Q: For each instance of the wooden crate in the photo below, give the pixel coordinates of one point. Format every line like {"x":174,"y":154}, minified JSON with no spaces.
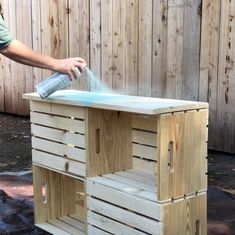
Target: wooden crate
{"x":143,"y":162}
{"x":58,"y":202}
{"x":79,"y":141}
{"x":126,"y":203}
{"x":173,"y":148}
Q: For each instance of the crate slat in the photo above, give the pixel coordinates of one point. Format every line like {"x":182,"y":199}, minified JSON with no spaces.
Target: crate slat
{"x":124,"y":216}
{"x":58,"y":163}
{"x":58,"y":135}
{"x":149,"y":167}
{"x":144,"y":138}
{"x":66,"y":227}
{"x":63,"y":150}
{"x":57,"y":109}
{"x":117,"y":197}
{"x":131,"y":182}
{"x":111,"y":225}
{"x":95,"y":231}
{"x":58,"y":122}
{"x":146,"y":152}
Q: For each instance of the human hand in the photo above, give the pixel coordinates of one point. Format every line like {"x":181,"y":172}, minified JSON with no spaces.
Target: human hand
{"x":69,"y":65}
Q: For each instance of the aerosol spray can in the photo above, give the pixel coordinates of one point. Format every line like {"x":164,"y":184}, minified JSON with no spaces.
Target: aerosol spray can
{"x":53,"y":83}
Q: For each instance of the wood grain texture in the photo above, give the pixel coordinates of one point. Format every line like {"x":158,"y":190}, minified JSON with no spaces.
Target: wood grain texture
{"x":191,"y":217}
{"x":108,"y":141}
{"x":58,"y":212}
{"x":185,"y":172}
{"x":111,"y":101}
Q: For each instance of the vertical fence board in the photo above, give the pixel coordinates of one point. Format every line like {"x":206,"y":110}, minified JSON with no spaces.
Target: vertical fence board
{"x":131,"y":47}
{"x":45,"y":32}
{"x":36,"y":37}
{"x":175,"y":49}
{"x":95,"y":39}
{"x":25,"y":75}
{"x":209,"y":63}
{"x":79,"y":36}
{"x":107,"y":42}
{"x":145,"y":47}
{"x":159,"y":60}
{"x":191,"y":42}
{"x":118,"y":46}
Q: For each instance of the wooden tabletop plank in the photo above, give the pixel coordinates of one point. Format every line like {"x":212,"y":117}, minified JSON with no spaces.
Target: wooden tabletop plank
{"x":133,"y":104}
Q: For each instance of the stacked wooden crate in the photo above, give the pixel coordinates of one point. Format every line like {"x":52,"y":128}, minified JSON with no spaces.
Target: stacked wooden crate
{"x":119,"y":165}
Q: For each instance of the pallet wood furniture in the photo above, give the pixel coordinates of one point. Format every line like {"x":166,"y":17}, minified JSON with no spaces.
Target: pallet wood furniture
{"x":116,"y":164}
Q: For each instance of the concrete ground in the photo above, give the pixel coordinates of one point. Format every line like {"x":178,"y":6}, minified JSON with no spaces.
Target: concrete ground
{"x":17,"y":190}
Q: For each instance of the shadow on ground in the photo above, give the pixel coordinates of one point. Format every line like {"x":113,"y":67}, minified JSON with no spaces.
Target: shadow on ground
{"x":16,"y":191}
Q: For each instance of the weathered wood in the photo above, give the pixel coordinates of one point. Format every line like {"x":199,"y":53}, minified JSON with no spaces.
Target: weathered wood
{"x":159,"y":50}
{"x":131,"y":47}
{"x":191,"y":49}
{"x":78,"y":36}
{"x":145,"y":47}
{"x":95,"y":40}
{"x":175,"y":36}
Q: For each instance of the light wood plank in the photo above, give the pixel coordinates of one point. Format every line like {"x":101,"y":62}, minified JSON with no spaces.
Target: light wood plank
{"x":107,"y":42}
{"x":145,"y":47}
{"x":66,"y":227}
{"x":191,"y":49}
{"x":111,"y":225}
{"x":57,"y":109}
{"x":124,"y":216}
{"x":52,"y":229}
{"x":106,"y":132}
{"x":132,"y":190}
{"x":191,"y":211}
{"x":138,"y":177}
{"x":58,"y":122}
{"x":59,"y":149}
{"x":95,"y":231}
{"x":58,"y":135}
{"x":95,"y":40}
{"x":146,"y":152}
{"x":134,"y":104}
{"x":144,"y":138}
{"x":36,"y":38}
{"x":146,"y":166}
{"x":131,"y":182}
{"x":118,"y":45}
{"x":175,"y":27}
{"x":159,"y":48}
{"x":73,"y":222}
{"x":131,"y":57}
{"x":182,"y":169}
{"x":78,"y":12}
{"x":144,"y":123}
{"x":58,"y":163}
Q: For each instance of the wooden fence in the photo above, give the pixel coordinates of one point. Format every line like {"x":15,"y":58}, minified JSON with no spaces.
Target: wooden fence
{"x":137,"y":47}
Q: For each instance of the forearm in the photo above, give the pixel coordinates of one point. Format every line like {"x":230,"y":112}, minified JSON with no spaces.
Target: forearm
{"x":19,"y":52}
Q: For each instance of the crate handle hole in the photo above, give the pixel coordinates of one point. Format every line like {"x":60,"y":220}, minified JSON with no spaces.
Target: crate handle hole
{"x":66,"y":166}
{"x":44,"y":193}
{"x":198,"y":227}
{"x":97,"y":140}
{"x":170,"y":156}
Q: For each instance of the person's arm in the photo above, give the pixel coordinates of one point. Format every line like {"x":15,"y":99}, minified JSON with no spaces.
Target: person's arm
{"x":19,"y":52}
